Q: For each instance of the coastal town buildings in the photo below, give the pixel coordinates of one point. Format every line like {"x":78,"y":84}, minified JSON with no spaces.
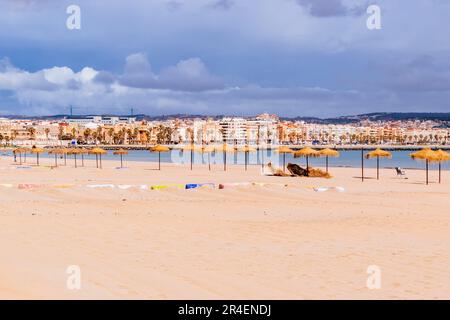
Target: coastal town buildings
{"x":259,"y":130}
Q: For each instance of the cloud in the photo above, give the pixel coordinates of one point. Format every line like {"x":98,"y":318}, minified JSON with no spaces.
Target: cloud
{"x":330,"y":8}
{"x":173,"y":5}
{"x":421,"y":74}
{"x":188,"y":87}
{"x":187,"y":75}
{"x":222,"y":4}
{"x":138,"y":72}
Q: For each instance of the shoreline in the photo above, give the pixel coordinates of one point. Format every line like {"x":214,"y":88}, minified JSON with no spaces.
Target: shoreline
{"x":389,"y":147}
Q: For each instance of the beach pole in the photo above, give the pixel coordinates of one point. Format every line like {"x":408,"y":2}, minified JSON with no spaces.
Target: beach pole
{"x":224,"y":160}
{"x":37,"y":158}
{"x":121,"y":160}
{"x":262,"y":159}
{"x":56,"y":160}
{"x":439,"y":172}
{"x":96,"y":160}
{"x":192,"y":157}
{"x":378,"y":167}
{"x":159,"y":160}
{"x":427,"y":169}
{"x":362,"y":164}
{"x":327,"y":163}
{"x":82,"y":160}
{"x":209,"y":161}
{"x":245,"y":159}
{"x":75,"y":157}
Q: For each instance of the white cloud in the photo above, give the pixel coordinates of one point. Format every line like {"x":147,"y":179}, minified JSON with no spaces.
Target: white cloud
{"x":186,"y":87}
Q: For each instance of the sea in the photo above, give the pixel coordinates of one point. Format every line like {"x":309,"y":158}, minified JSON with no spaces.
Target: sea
{"x":347,"y":158}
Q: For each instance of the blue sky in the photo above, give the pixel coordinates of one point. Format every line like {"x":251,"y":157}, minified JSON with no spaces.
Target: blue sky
{"x":237,"y":57}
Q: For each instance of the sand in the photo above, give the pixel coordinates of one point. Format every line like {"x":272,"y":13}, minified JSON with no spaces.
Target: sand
{"x":248,"y":242}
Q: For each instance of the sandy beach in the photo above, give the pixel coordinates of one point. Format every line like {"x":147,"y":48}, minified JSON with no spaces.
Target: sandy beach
{"x":277,"y":239}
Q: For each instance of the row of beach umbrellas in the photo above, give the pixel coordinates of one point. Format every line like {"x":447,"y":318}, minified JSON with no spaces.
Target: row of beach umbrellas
{"x":427,"y":155}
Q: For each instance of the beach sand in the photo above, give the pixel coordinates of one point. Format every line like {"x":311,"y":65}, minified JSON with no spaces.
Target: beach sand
{"x":246,"y":242}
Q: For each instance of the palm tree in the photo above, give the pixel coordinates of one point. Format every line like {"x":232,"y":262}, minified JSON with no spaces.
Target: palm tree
{"x":87,"y":134}
{"x":32,"y":132}
{"x":111,"y":132}
{"x":14,"y":134}
{"x":47,"y":132}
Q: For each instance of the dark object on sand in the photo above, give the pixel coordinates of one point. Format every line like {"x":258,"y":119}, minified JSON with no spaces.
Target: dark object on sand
{"x":296,"y":170}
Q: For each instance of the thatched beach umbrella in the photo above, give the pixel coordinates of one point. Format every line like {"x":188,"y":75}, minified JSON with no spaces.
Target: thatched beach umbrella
{"x":425,"y":154}
{"x":19,"y":151}
{"x":159,"y":149}
{"x":64,"y":152}
{"x":284,"y":150}
{"x":225,"y":148}
{"x":247,"y":150}
{"x":441,"y":156}
{"x":82,"y":152}
{"x":98,"y":155}
{"x":328,"y":153}
{"x":208,"y":150}
{"x":56,"y":153}
{"x":121,"y":152}
{"x":37,"y":151}
{"x":25,"y":151}
{"x":192,"y":148}
{"x":306,"y":152}
{"x":74,"y":152}
{"x":378,"y":153}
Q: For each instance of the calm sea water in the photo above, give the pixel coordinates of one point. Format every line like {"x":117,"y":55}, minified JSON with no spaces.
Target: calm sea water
{"x":346,"y":159}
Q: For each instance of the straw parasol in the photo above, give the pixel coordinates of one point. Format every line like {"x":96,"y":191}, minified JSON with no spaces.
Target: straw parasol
{"x":378,"y":153}
{"x":74,"y":152}
{"x":208,"y":150}
{"x":159,"y":149}
{"x":121,"y":152}
{"x":25,"y":151}
{"x":328,"y":153}
{"x":441,"y":156}
{"x":283,"y":150}
{"x":306,"y":152}
{"x":37,"y":151}
{"x":98,"y":155}
{"x":225,"y":148}
{"x":82,"y":152}
{"x":425,"y":154}
{"x":64,"y":152}
{"x":192,"y":148}
{"x":247,"y":150}
{"x":56,"y":152}
{"x":19,"y":151}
